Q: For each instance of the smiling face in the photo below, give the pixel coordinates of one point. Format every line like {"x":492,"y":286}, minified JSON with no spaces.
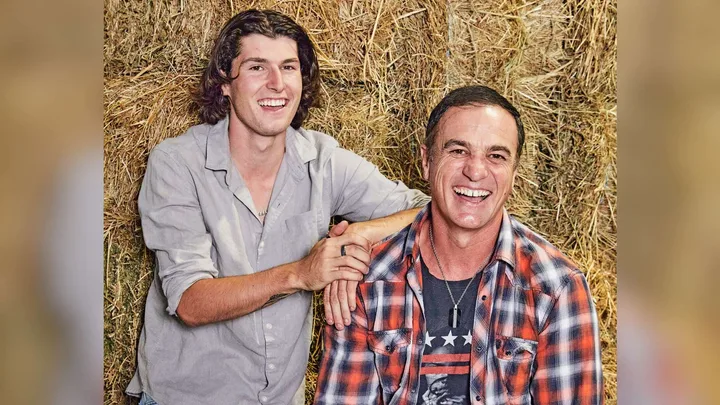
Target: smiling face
{"x":471,"y":167}
{"x":265,"y":93}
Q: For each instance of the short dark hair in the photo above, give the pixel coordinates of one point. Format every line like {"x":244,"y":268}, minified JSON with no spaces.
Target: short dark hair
{"x":213,"y":106}
{"x":475,"y":96}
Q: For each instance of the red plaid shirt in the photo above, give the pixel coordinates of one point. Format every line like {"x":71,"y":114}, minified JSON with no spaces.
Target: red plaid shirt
{"x":534,"y":338}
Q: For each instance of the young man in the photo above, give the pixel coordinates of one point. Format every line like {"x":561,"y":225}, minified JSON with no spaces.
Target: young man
{"x":467,"y":305}
{"x":236,"y":211}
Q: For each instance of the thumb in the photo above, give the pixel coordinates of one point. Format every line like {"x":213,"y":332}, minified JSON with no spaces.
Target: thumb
{"x":338,"y":229}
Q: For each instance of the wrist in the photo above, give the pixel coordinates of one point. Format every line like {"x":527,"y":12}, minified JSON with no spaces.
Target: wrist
{"x":292,"y":276}
{"x":367,"y":230}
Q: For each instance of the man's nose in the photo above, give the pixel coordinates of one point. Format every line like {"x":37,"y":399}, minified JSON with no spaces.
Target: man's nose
{"x":275,"y":79}
{"x":475,"y":168}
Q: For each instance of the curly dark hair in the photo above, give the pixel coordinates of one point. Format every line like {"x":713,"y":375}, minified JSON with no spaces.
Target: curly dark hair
{"x":213,"y":105}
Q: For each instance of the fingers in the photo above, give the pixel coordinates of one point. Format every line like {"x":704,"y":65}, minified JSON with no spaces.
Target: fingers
{"x":351,"y":275}
{"x":353,"y":239}
{"x":335,"y":304}
{"x":338,"y":229}
{"x":327,"y":304}
{"x":350,"y":262}
{"x":351,"y":294}
{"x":339,"y":304}
{"x":343,"y":299}
{"x":325,"y":264}
{"x":358,"y":253}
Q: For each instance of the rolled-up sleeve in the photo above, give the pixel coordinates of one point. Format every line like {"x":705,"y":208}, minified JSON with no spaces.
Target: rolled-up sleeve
{"x":173,"y":226}
{"x":361,"y":192}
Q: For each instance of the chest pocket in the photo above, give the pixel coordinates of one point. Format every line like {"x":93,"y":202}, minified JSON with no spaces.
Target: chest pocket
{"x":299,"y":235}
{"x":515,"y":357}
{"x":390,"y":348}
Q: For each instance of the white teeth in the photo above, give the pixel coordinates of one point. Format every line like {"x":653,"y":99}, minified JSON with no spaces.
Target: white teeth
{"x":471,"y":193}
{"x":272,"y":102}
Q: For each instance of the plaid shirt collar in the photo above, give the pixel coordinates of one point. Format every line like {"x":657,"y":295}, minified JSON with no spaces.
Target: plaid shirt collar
{"x":504,"y":246}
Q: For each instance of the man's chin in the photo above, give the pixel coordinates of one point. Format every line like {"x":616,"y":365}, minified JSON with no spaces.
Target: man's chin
{"x":274,"y":130}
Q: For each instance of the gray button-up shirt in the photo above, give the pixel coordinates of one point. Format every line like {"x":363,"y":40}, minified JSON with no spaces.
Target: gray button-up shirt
{"x":199,"y":219}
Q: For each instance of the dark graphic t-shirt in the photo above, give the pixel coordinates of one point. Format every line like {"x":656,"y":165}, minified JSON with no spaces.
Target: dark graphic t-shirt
{"x":445,"y":369}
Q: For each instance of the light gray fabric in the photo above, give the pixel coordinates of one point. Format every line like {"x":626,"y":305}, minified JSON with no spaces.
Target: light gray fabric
{"x":199,"y":219}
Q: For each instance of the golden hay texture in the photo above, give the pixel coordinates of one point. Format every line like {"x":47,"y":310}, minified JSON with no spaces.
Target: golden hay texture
{"x":384,"y":65}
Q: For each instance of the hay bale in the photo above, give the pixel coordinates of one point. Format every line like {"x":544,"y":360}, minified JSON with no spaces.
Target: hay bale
{"x":385,"y":64}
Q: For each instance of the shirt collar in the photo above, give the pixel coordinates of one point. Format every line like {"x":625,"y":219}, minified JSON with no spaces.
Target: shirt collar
{"x":217,"y":155}
{"x":504,"y":246}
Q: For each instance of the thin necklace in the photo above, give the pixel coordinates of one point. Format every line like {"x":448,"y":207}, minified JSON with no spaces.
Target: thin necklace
{"x":455,"y":312}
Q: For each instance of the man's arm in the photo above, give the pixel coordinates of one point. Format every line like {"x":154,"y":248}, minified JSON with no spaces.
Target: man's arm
{"x":378,"y":229}
{"x":220,"y":299}
{"x":339,"y":296}
{"x":347,"y":372}
{"x":174,"y":228}
{"x":569,"y":367}
{"x":361,"y":192}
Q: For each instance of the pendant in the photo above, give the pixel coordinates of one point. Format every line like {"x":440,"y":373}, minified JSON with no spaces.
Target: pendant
{"x":453,"y":316}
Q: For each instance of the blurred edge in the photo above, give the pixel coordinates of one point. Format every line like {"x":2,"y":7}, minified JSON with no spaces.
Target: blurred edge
{"x":669,"y":121}
{"x":51,"y":288}
{"x":669,"y":111}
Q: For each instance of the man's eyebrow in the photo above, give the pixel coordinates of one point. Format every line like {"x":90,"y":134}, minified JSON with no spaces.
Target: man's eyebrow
{"x":254,"y":60}
{"x":263,"y":60}
{"x":500,"y":148}
{"x":455,"y":142}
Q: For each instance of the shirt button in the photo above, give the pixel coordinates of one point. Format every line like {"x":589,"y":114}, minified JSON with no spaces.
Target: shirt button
{"x":268,"y":325}
{"x":484,"y":297}
{"x":262,"y":244}
{"x":478,"y":398}
{"x":263,"y":398}
{"x":271,"y":366}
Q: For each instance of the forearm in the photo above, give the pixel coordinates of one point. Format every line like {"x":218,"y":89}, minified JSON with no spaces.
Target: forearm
{"x":220,"y":299}
{"x":377,"y":229}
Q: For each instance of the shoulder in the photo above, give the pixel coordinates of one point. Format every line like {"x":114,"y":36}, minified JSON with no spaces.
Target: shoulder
{"x":323,"y":144}
{"x":387,"y":259}
{"x":539,"y":265}
{"x":188,"y":148}
{"x":326,"y":148}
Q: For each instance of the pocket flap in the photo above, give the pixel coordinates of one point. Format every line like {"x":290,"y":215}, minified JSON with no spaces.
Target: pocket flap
{"x":514,"y":348}
{"x":387,"y":341}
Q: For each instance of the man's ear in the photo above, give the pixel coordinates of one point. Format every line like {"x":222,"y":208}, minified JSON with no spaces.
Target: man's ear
{"x":425,"y":153}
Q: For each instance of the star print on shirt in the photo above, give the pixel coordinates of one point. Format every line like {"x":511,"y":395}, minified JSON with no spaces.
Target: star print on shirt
{"x":468,"y":338}
{"x":428,"y":339}
{"x":449,"y":339}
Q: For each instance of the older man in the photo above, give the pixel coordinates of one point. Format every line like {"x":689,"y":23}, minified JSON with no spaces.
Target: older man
{"x":467,"y":305}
